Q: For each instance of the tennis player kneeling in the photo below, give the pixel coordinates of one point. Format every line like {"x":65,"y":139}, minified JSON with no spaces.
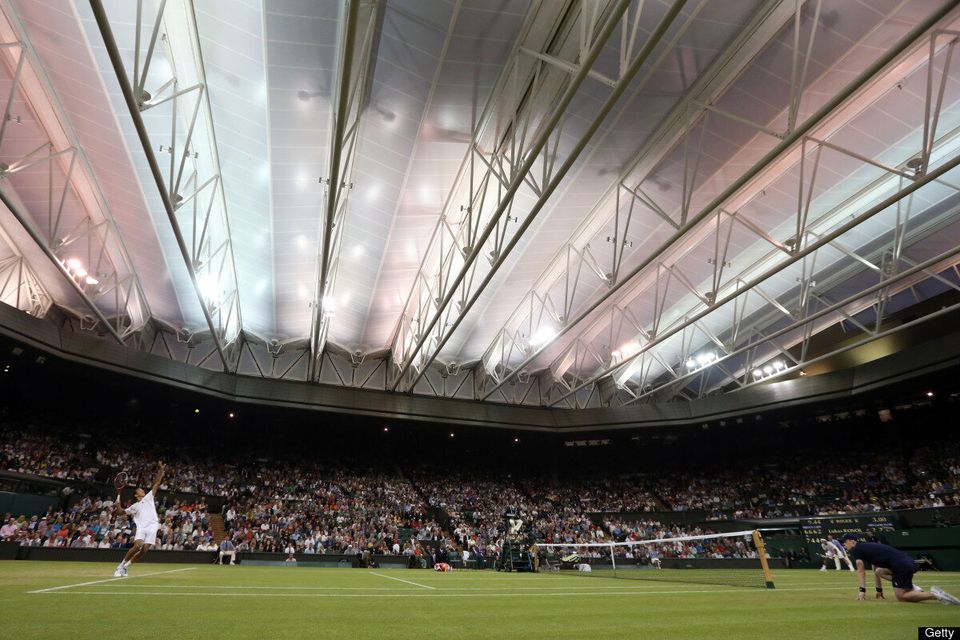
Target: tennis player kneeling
{"x":893,"y":565}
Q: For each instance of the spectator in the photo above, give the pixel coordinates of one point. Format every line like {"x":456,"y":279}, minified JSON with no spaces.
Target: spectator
{"x":227,"y":549}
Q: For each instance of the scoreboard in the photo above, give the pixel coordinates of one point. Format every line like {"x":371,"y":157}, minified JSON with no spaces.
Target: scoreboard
{"x":814,"y":529}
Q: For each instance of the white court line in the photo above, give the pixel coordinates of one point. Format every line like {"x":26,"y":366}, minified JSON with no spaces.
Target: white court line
{"x":416,"y":584}
{"x":87,"y":584}
{"x":640,"y":588}
{"x":420,"y":594}
{"x":637,"y":588}
{"x":140,"y":585}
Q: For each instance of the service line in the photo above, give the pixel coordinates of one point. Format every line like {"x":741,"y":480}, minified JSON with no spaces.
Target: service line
{"x":416,"y":584}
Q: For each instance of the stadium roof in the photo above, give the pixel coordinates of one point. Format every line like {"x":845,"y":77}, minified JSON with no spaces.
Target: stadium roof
{"x":551,"y":203}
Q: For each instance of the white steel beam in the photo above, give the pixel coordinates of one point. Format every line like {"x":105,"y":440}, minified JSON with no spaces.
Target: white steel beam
{"x":778,"y":159}
{"x":356,"y":43}
{"x":74,"y":226}
{"x":191,"y":188}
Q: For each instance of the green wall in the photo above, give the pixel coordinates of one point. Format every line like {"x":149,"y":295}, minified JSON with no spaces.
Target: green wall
{"x":27,"y":504}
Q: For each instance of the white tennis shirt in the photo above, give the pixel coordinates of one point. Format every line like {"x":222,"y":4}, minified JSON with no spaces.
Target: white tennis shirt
{"x":144,"y":511}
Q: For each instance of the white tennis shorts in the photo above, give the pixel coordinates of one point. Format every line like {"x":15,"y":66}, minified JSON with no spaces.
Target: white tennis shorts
{"x":147,"y":533}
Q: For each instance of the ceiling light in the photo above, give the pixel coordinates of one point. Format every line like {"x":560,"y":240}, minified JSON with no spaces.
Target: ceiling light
{"x":542,"y":336}
{"x":630,"y":348}
{"x":757,"y":373}
{"x":74,"y":264}
{"x":92,"y":280}
{"x":328,"y":306}
{"x":209,"y":288}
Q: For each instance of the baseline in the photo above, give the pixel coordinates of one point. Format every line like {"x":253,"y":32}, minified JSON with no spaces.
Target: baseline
{"x":87,"y":584}
{"x":440,"y":594}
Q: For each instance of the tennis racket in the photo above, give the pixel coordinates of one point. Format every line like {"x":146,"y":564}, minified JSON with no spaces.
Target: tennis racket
{"x":120,"y":480}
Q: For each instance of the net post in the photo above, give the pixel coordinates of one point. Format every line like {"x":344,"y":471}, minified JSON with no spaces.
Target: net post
{"x":613,"y":559}
{"x":762,"y":552}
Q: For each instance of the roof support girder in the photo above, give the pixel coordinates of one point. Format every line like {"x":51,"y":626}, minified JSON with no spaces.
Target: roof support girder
{"x":469,"y":295}
{"x":356,"y":44}
{"x":790,"y":141}
{"x":74,"y":228}
{"x":193,"y":154}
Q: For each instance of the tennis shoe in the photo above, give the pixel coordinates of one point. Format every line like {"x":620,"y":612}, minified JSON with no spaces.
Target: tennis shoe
{"x":943,"y":596}
{"x":120,"y":572}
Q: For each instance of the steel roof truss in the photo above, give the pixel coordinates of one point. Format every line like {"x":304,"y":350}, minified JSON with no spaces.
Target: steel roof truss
{"x":805,"y":256}
{"x":507,"y":200}
{"x":760,"y":337}
{"x":346,"y":116}
{"x":193,"y":159}
{"x":73,"y":197}
{"x":797,"y":139}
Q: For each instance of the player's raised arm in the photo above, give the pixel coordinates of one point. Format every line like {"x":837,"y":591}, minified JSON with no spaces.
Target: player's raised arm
{"x":158,"y":478}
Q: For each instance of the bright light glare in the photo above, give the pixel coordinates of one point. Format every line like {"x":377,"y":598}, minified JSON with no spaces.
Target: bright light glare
{"x":706,"y":358}
{"x":542,"y":336}
{"x":329,"y":306}
{"x":74,"y":264}
{"x":209,"y":288}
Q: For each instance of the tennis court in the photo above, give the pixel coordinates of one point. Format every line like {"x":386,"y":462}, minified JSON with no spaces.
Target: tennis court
{"x":82,"y":600}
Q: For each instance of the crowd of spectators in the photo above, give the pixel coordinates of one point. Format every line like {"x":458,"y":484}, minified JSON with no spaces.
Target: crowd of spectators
{"x":24,"y":451}
{"x":836,"y":483}
{"x":317,"y":510}
{"x":96,"y":523}
{"x":294,"y":504}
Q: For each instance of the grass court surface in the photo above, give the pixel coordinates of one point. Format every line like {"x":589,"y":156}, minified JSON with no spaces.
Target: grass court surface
{"x":82,"y":600}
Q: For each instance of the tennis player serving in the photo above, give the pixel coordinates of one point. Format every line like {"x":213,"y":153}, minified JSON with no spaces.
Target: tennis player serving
{"x":144,"y":512}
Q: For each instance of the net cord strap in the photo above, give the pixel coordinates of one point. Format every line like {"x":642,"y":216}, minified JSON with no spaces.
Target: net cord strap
{"x":635,"y":543}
